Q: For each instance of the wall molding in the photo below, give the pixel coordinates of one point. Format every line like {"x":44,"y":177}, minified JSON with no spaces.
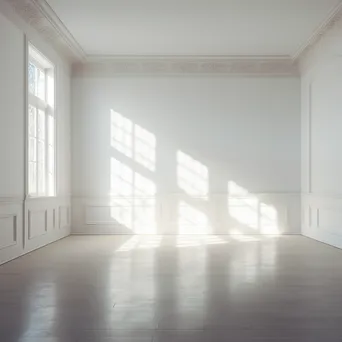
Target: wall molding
{"x":324,"y":218}
{"x":327,"y":25}
{"x":309,"y":136}
{"x":193,"y":65}
{"x":14,"y":218}
{"x":317,"y":195}
{"x":29,"y":223}
{"x":39,"y":15}
{"x":110,"y":197}
{"x":9,"y":200}
{"x":169,"y":213}
{"x":60,"y":210}
{"x":325,"y":45}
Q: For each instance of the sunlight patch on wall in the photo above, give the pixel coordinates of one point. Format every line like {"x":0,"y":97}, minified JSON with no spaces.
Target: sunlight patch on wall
{"x":192,"y":175}
{"x":249,"y":211}
{"x":121,"y":211}
{"x":192,"y":220}
{"x":133,"y":141}
{"x":121,"y":134}
{"x":121,"y":179}
{"x":144,"y":148}
{"x":133,"y":199}
{"x":268,"y":219}
{"x":144,"y":205}
{"x":133,"y":194}
{"x":242,"y":206}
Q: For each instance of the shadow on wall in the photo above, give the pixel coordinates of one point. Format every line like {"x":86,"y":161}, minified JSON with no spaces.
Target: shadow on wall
{"x":134,"y":183}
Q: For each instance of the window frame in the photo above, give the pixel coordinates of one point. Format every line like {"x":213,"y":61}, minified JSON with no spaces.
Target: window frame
{"x":34,"y":56}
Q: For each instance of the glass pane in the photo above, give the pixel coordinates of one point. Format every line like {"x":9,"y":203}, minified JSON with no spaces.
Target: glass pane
{"x":41,"y":151}
{"x":51,"y":161}
{"x":41,"y":125}
{"x":41,"y":84}
{"x":51,"y":181}
{"x":51,"y":130}
{"x":32,"y":150}
{"x":41,"y":178}
{"x":32,"y":121}
{"x":32,"y":178}
{"x":32,"y":78}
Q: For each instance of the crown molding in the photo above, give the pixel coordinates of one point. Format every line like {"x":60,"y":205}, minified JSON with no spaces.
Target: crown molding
{"x":39,"y":15}
{"x":107,"y":66}
{"x":334,"y":17}
{"x":98,"y":58}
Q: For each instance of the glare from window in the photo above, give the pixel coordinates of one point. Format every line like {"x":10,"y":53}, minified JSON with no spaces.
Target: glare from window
{"x":41,"y":126}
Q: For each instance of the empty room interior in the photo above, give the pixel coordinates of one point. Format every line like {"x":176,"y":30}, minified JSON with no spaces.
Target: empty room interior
{"x":170,"y":171}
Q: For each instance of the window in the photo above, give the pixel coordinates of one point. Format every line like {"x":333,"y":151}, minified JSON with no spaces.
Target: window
{"x":41,"y":125}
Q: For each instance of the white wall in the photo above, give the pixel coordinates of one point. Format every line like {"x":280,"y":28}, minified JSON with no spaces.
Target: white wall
{"x":242,"y":130}
{"x":26,"y":224}
{"x":322,"y":141}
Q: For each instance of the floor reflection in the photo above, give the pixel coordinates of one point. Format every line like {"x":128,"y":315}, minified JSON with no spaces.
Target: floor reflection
{"x":112,"y":287}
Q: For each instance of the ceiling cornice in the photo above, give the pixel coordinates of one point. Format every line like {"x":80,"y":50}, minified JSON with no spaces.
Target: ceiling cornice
{"x":328,"y":24}
{"x":183,"y":65}
{"x":39,"y":15}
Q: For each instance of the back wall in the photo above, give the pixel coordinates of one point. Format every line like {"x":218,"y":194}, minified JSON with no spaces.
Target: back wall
{"x":186,"y":155}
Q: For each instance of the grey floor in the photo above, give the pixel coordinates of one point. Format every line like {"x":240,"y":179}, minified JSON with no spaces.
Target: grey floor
{"x":163,"y":289}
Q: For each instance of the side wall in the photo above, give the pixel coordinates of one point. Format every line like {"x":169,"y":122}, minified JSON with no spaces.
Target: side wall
{"x":186,"y":155}
{"x":26,"y":224}
{"x":322,"y":140}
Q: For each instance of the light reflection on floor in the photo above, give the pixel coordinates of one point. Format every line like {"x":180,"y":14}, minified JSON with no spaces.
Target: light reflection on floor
{"x":139,"y":242}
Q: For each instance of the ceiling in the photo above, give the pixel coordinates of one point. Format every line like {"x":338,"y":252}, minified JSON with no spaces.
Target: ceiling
{"x":192,"y":27}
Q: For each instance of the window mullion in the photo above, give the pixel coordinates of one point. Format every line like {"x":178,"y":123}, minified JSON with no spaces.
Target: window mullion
{"x":46,"y":166}
{"x":37,"y":154}
{"x":46,"y":155}
{"x":133,"y":200}
{"x":37,"y":102}
{"x":133,"y":157}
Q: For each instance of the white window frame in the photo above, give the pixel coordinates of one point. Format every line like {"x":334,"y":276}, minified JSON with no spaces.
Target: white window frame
{"x":35,"y":57}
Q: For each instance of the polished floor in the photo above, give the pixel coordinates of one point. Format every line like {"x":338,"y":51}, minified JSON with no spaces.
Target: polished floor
{"x":174,"y":289}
